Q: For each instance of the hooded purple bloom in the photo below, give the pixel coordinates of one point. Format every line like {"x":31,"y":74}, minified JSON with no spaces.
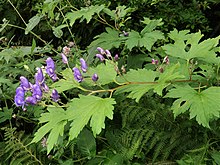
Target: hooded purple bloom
{"x":36,"y":92}
{"x":39,"y":77}
{"x":31,"y":100}
{"x":84,"y":66}
{"x":77,"y":75}
{"x":64,"y":58}
{"x":19,"y":97}
{"x":101,"y":50}
{"x":95,"y":77}
{"x":55,"y":96}
{"x":101,"y":58}
{"x":45,"y":87}
{"x":24,"y":83}
{"x":50,"y":69}
{"x":116,"y":57}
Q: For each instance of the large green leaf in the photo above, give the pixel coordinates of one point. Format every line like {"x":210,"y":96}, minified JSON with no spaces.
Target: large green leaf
{"x":32,"y":23}
{"x":84,"y":13}
{"x":188,"y":46}
{"x":86,"y":108}
{"x":136,"y":76}
{"x":204,"y":106}
{"x":55,"y":119}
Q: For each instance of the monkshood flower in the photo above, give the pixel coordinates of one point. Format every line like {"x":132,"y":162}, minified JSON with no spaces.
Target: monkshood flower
{"x":39,"y":77}
{"x":50,"y":69}
{"x":155,"y":62}
{"x":64,"y":58}
{"x":166,"y":60}
{"x":100,"y":57}
{"x":20,"y":97}
{"x":55,"y":96}
{"x":77,"y":75}
{"x":84,"y":66}
{"x":24,"y":83}
{"x":108,"y":54}
{"x":45,"y":87}
{"x":36,"y":92}
{"x":116,"y":57}
{"x":95,"y":77}
{"x":66,"y":50}
{"x":31,"y":100}
{"x":101,"y":51}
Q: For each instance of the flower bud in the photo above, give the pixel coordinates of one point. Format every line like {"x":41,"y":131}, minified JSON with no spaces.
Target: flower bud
{"x":55,"y":96}
{"x":24,"y":83}
{"x":84,"y":66}
{"x":166,"y":60}
{"x":66,"y":50}
{"x":155,"y":62}
{"x":116,"y":57}
{"x":100,"y":57}
{"x":101,"y":51}
{"x":64,"y":58}
{"x":77,"y":75}
{"x":95,"y":77}
{"x":39,"y":77}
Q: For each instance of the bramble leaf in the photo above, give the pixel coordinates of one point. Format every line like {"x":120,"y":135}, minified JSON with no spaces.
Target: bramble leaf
{"x":204,"y":106}
{"x":187,"y":46}
{"x":108,"y":39}
{"x":55,"y":119}
{"x":84,"y":13}
{"x":86,"y":108}
{"x":137,"y":90}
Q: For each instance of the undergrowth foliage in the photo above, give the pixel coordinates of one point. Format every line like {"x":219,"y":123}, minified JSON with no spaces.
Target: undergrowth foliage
{"x":132,"y":96}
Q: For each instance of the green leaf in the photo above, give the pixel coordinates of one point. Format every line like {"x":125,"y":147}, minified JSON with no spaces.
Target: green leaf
{"x":216,"y":156}
{"x":106,"y":72}
{"x":188,"y":46}
{"x":204,"y":106}
{"x":152,"y":24}
{"x":55,"y":119}
{"x":171,"y":73}
{"x":57,"y":31}
{"x":137,"y":90}
{"x":32,"y":23}
{"x":108,"y":39}
{"x":86,"y":108}
{"x":5,"y":115}
{"x":4,"y":25}
{"x":33,"y":46}
{"x":84,"y":13}
{"x":86,"y":143}
{"x":68,"y":82}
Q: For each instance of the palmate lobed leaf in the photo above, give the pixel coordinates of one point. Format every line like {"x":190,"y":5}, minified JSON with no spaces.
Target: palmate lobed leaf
{"x":204,"y":106}
{"x":86,"y":108}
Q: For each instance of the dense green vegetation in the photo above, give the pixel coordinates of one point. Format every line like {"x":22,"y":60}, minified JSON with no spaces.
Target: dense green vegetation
{"x":109,"y":82}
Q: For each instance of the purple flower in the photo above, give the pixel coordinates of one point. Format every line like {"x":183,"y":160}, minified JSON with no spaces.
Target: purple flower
{"x":39,"y":77}
{"x":101,"y":58}
{"x":84,"y":66}
{"x":102,"y":51}
{"x":108,"y":54}
{"x":77,"y":75}
{"x":45,"y":87}
{"x":95,"y":77}
{"x":36,"y":92}
{"x":155,"y":62}
{"x":64,"y":58}
{"x":24,"y":83}
{"x":116,"y":57}
{"x":126,"y":34}
{"x":55,"y":96}
{"x":19,"y":97}
{"x":31,"y":100}
{"x":50,"y":69}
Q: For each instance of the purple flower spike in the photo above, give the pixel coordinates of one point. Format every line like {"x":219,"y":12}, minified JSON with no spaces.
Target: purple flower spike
{"x":64,"y":58}
{"x":84,"y":66}
{"x":77,"y":75}
{"x":31,"y":100}
{"x":55,"y":96}
{"x":19,"y":97}
{"x":39,"y":77}
{"x":95,"y":77}
{"x":101,"y":58}
{"x":36,"y":92}
{"x":101,"y":50}
{"x":24,"y":83}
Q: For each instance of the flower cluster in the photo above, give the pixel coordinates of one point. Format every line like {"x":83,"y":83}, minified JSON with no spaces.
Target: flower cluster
{"x":105,"y":53}
{"x":84,"y":67}
{"x":165,"y":61}
{"x":36,"y":90}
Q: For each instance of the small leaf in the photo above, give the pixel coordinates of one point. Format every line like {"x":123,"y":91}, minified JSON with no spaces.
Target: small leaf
{"x":57,"y":31}
{"x":5,"y":115}
{"x":32,"y":23}
{"x":86,"y":108}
